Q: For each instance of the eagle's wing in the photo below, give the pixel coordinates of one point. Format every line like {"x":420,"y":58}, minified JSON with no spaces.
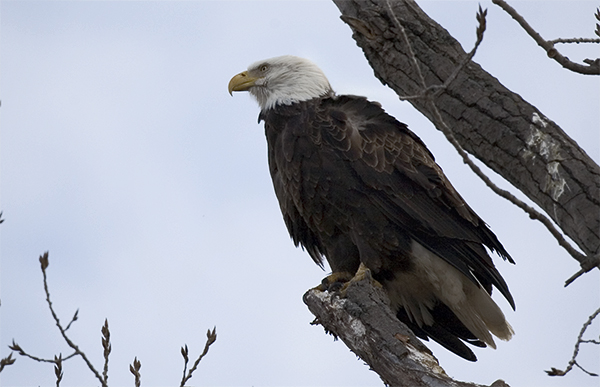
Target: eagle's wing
{"x":409,"y":187}
{"x":287,"y":181}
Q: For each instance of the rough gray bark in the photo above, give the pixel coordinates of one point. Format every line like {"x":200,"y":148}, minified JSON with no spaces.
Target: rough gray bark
{"x":363,"y":320}
{"x":497,"y":126}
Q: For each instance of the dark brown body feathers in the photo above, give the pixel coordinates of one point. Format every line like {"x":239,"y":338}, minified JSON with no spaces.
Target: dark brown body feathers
{"x":355,"y":185}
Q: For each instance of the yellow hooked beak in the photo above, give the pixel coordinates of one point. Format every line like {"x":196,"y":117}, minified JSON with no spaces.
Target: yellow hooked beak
{"x":241,"y":82}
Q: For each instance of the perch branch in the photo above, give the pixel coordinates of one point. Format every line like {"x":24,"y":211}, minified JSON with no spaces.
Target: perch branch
{"x":363,"y":320}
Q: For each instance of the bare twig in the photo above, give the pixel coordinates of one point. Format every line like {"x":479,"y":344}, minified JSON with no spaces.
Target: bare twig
{"x":548,"y":46}
{"x":480,"y":16}
{"x":135,"y":370}
{"x":186,"y":359}
{"x":20,"y":351}
{"x":73,"y":319}
{"x":574,"y":40}
{"x":597,"y":15}
{"x":44,"y":265}
{"x":107,"y":348}
{"x":432,"y":91}
{"x":7,"y":360}
{"x":58,"y":369}
{"x":211,"y":336}
{"x":411,"y":53}
{"x":587,"y":264}
{"x":17,"y":348}
{"x":573,"y":362}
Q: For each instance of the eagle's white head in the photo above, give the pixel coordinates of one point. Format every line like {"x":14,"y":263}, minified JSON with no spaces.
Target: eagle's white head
{"x":282,"y":81}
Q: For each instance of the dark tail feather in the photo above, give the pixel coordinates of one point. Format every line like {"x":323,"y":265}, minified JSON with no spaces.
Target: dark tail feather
{"x":446,"y":331}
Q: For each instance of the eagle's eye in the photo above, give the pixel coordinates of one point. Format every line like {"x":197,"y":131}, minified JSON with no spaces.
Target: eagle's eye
{"x":263,"y":68}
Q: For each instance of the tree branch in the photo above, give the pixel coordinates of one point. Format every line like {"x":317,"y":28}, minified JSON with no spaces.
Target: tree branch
{"x":134,"y":368}
{"x":8,"y":360}
{"x":17,"y":348}
{"x":44,"y":265}
{"x":574,"y":40}
{"x":211,"y":337}
{"x":592,"y":69}
{"x":580,"y":340}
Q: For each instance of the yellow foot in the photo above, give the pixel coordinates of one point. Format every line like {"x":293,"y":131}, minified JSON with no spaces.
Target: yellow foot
{"x":362,"y":273}
{"x":334,"y":281}
{"x":340,"y":281}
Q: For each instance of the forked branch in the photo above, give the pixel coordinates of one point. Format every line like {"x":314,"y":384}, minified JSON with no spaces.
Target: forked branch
{"x":106,"y":345}
{"x":580,"y":340}
{"x":593,"y":66}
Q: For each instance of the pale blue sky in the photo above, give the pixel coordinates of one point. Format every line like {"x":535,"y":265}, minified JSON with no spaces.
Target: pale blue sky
{"x":123,"y":155}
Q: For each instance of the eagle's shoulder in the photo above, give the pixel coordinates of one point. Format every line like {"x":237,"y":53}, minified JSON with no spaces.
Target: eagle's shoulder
{"x":380,"y":145}
{"x":370,"y":117}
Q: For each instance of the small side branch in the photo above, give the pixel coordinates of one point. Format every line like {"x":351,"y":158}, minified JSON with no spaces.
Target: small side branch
{"x":574,"y":40}
{"x":573,"y":362}
{"x":17,"y":348}
{"x":135,"y":370}
{"x":211,"y":337}
{"x":593,"y":67}
{"x":107,"y":348}
{"x":7,"y":360}
{"x":58,"y":371}
{"x":432,"y":91}
{"x":44,"y":262}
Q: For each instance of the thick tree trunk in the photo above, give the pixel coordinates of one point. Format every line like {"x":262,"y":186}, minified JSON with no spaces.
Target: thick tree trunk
{"x":497,"y":126}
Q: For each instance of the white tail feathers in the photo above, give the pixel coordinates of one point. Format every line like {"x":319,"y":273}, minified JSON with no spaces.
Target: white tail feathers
{"x":481,"y":315}
{"x":433,"y":278}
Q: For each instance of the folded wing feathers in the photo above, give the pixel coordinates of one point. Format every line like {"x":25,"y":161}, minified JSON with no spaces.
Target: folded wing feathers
{"x":367,"y":136}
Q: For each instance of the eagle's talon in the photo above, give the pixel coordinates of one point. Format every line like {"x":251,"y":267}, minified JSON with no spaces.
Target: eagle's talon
{"x":334,"y":282}
{"x":336,"y":286}
{"x":338,"y":282}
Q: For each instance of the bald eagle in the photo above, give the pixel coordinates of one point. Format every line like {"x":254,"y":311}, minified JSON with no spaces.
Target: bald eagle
{"x":356,"y":186}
